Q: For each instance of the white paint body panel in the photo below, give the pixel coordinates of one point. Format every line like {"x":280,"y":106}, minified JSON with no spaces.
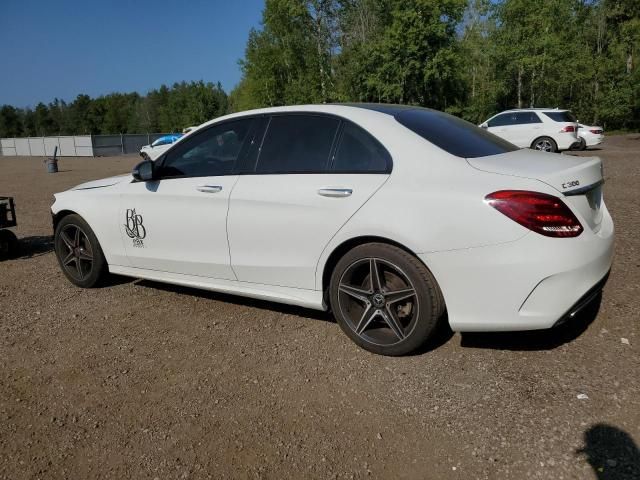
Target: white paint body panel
{"x":279,"y":224}
{"x":185,"y":228}
{"x":591,"y":139}
{"x":154,"y":152}
{"x":270,"y":236}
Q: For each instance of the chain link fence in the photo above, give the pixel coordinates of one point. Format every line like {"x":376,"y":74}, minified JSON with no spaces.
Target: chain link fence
{"x":78,"y":146}
{"x":125,"y":144}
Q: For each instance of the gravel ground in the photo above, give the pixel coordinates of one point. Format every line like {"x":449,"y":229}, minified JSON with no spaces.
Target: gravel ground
{"x":142,"y":380}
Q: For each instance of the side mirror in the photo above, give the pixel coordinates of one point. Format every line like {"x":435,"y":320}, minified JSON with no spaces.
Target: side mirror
{"x":143,"y":171}
{"x":484,"y":125}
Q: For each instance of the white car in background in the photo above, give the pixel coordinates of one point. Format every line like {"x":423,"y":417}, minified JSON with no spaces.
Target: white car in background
{"x":388,"y":216}
{"x":545,"y":129}
{"x":159,"y":146}
{"x":589,"y":136}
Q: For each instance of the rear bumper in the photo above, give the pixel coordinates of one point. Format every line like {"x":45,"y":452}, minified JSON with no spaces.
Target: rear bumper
{"x":528,"y":284}
{"x":584,"y":301}
{"x":593,"y":140}
{"x":566,"y":141}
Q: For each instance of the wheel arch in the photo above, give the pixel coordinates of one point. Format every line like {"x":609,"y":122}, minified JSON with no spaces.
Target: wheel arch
{"x":56,"y":217}
{"x":340,"y":250}
{"x":541,"y":137}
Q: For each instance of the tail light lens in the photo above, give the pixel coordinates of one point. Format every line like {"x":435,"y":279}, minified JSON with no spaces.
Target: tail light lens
{"x":569,"y":128}
{"x":597,"y":131}
{"x":542,"y":213}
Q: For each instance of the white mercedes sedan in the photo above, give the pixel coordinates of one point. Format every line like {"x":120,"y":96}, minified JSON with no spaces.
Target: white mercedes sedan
{"x":394,"y":218}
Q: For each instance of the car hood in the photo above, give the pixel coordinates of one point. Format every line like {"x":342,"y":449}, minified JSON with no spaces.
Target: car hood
{"x":104,"y":182}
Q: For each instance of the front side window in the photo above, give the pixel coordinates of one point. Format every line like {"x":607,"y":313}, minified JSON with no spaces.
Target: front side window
{"x":211,"y":152}
{"x":452,"y":134}
{"x":297,"y":144}
{"x":358,"y":152}
{"x":501,"y":120}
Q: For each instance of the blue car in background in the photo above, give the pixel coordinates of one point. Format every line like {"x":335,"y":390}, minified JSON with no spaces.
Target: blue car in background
{"x":159,"y":146}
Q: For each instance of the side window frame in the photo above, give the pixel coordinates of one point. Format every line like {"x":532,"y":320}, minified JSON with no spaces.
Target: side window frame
{"x":500,"y":115}
{"x":388,"y":159}
{"x":327,"y":167}
{"x":162,"y":160}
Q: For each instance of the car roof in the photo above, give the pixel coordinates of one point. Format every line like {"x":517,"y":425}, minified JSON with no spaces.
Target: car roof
{"x":556,"y":109}
{"x":346,"y":109}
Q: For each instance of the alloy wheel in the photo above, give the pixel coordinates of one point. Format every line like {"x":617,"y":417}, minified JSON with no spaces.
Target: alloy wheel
{"x":76,"y":254}
{"x":378,"y":301}
{"x":544,"y":145}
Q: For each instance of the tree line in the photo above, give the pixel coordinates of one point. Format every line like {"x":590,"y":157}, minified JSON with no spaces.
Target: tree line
{"x":167,"y":109}
{"x":472,"y":58}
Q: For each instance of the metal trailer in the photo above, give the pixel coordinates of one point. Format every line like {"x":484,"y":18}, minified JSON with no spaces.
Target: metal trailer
{"x":8,"y":240}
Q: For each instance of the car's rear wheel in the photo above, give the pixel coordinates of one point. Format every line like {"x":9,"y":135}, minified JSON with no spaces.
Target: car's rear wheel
{"x":545,"y":144}
{"x":78,"y":252}
{"x":583,"y":144}
{"x":385,"y":299}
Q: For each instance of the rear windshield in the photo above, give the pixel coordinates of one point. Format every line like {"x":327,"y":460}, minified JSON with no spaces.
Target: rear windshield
{"x":452,"y":134}
{"x":565,"y":116}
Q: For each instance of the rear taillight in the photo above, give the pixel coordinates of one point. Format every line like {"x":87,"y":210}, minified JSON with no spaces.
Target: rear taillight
{"x":597,"y":132}
{"x":542,"y":213}
{"x":569,"y":128}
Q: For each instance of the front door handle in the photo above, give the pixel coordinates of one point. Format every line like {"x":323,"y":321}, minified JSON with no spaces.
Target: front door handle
{"x":209,"y":188}
{"x":335,"y":192}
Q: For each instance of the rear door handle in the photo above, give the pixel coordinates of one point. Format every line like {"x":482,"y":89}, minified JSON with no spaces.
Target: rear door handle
{"x":209,"y":188}
{"x":335,"y":192}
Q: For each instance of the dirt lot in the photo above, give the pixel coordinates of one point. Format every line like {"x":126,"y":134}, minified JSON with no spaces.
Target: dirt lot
{"x":142,"y":380}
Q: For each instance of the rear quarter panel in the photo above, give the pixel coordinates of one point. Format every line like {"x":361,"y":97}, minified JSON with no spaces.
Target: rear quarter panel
{"x":432,"y":202}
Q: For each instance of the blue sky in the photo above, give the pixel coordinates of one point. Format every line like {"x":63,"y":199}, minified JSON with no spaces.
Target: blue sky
{"x":61,"y":48}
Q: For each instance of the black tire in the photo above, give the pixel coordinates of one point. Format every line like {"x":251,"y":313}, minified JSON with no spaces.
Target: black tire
{"x":545,"y":144}
{"x":383,"y":316}
{"x":9,"y":245}
{"x":79,"y":253}
{"x":583,"y":144}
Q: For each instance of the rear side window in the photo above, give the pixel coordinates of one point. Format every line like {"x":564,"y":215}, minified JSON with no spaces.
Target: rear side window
{"x":526,"y":117}
{"x":297,"y":144}
{"x":359,"y":152}
{"x":565,"y":116}
{"x":452,"y":134}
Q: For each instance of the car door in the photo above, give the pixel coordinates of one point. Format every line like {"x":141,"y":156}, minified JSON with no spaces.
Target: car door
{"x":527,"y":126}
{"x":177,"y":222}
{"x":502,"y":125}
{"x":312,"y":174}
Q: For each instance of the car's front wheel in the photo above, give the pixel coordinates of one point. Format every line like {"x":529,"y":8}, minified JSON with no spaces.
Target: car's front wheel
{"x":385,"y":299}
{"x":545,"y":144}
{"x":78,"y":252}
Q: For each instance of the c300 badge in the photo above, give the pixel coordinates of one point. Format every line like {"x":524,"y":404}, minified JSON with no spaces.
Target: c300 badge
{"x":135,"y":228}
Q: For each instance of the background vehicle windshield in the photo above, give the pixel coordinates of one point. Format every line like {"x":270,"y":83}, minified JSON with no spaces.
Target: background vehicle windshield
{"x":452,"y":134}
{"x":562,"y":116}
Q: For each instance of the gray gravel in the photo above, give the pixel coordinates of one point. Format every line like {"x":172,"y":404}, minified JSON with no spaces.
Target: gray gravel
{"x":143,"y":380}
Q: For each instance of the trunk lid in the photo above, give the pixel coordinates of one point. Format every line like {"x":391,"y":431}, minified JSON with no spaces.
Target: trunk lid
{"x":579,"y":179}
